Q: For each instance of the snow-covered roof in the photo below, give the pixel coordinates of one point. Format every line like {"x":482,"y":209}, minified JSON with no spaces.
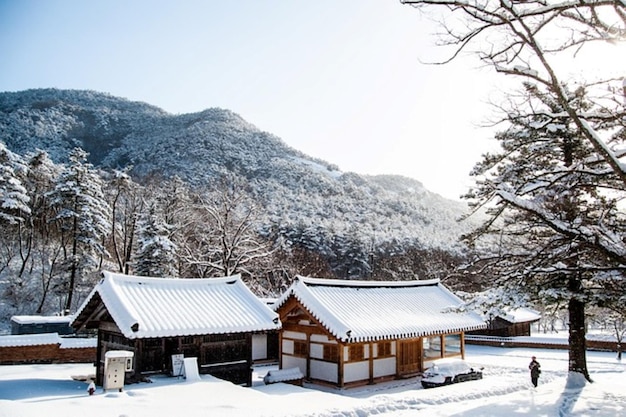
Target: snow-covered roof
{"x":520,"y":315}
{"x":30,"y":340}
{"x":359,"y":311}
{"x":37,"y":339}
{"x":146,"y":307}
{"x":41,"y":319}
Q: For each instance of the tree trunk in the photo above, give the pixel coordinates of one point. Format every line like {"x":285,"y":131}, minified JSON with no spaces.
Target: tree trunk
{"x":577,"y":333}
{"x":73,"y":269}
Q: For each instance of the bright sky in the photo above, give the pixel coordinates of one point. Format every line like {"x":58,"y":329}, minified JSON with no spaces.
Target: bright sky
{"x":337,"y":80}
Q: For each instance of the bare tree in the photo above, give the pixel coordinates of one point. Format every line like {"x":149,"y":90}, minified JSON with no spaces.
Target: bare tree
{"x":524,"y":39}
{"x":226,"y":239}
{"x":125,"y":199}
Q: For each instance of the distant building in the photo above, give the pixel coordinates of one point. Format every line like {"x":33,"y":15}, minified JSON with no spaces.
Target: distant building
{"x":217,"y":320}
{"x":513,"y":323}
{"x":41,"y":324}
{"x":345,"y":333}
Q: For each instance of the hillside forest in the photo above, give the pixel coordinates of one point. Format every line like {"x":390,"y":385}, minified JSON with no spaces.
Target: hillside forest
{"x":66,"y":213}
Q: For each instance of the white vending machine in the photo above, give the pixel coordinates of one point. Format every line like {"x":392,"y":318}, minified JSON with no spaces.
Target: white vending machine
{"x":116,"y":364}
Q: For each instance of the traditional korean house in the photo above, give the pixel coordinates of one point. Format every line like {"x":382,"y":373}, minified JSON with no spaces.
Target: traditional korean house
{"x":512,"y":323}
{"x":164,"y":320}
{"x":348,"y":333}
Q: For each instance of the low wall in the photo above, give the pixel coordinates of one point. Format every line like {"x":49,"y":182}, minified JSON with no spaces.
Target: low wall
{"x":45,"y":348}
{"x":538,"y":342}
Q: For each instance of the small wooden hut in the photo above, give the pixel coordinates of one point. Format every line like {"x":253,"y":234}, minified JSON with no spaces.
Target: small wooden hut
{"x":162,"y":320}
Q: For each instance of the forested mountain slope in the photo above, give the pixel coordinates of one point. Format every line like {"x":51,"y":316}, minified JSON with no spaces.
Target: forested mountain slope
{"x":304,"y":198}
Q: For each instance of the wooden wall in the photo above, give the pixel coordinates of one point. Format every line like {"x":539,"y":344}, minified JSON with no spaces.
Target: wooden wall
{"x":51,"y":353}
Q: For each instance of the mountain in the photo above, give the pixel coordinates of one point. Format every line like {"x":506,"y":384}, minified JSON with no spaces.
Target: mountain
{"x":298,"y":193}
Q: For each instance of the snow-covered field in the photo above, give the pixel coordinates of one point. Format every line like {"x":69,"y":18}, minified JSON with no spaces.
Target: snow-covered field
{"x":49,"y":391}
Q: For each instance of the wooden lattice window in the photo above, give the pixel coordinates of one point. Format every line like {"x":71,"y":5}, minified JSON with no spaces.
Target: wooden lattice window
{"x":331,"y":353}
{"x":356,"y":353}
{"x":384,"y":349}
{"x":299,"y":348}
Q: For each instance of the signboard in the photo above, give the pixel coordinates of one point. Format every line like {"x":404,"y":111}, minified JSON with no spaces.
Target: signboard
{"x":178,"y":365}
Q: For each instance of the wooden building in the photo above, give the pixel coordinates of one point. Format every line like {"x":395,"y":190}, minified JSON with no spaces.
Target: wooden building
{"x":515,"y":322}
{"x":348,"y":333}
{"x":161,"y":320}
{"x":41,"y":324}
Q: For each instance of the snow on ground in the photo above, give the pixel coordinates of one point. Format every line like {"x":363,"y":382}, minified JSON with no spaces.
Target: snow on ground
{"x":505,"y":390}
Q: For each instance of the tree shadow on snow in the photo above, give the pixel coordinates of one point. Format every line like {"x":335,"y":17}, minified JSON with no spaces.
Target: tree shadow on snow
{"x":33,"y":388}
{"x":574,"y":386}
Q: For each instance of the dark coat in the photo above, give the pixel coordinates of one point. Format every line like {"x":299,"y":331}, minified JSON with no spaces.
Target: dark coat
{"x":535,"y":369}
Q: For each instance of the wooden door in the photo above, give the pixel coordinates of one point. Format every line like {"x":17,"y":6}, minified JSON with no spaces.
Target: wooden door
{"x":409,"y":357}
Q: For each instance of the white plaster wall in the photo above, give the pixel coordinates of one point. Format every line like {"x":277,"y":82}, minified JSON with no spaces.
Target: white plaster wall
{"x":288,"y":346}
{"x":259,"y":346}
{"x":322,"y":338}
{"x":294,"y":362}
{"x":384,"y":367}
{"x":324,"y":371}
{"x":316,"y":350}
{"x":294,"y":335}
{"x":356,"y":371}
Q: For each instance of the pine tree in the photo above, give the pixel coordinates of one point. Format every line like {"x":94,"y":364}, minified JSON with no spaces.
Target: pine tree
{"x":552,"y":192}
{"x":156,"y":254}
{"x":14,"y":200}
{"x":82,"y":214}
{"x":555,"y":231}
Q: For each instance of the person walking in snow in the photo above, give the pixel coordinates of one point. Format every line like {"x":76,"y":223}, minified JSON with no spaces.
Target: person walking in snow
{"x":535,"y":370}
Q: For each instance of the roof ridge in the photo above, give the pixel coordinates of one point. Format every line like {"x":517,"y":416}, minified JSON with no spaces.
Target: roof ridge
{"x":329,"y":282}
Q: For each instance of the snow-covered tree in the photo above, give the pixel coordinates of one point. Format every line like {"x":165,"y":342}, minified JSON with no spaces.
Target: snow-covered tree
{"x":174,"y":204}
{"x":612,"y":321}
{"x":14,"y":200}
{"x":228,"y":241}
{"x":156,"y":254}
{"x":42,"y":242}
{"x":554,"y":213}
{"x":125,"y":199}
{"x":553,"y":190}
{"x":83,"y":217}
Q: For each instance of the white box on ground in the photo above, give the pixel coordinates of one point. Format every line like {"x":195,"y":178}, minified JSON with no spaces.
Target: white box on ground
{"x":116,"y":364}
{"x":191,"y":369}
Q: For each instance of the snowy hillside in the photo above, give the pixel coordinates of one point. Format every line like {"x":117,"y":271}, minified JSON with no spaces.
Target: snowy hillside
{"x":300,"y":195}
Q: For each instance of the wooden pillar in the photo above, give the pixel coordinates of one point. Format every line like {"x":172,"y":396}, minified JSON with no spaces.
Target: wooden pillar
{"x":249,"y":358}
{"x":308,"y":355}
{"x":371,"y":363}
{"x":420,"y":352}
{"x":341,"y":365}
{"x":100,"y":359}
{"x":280,"y":349}
{"x":463,"y":345}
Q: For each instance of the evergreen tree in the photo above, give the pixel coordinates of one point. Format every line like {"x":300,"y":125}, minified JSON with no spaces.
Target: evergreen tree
{"x":83,"y":216}
{"x":14,"y":200}
{"x":552,"y":192}
{"x":555,"y":234}
{"x":156,"y":254}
